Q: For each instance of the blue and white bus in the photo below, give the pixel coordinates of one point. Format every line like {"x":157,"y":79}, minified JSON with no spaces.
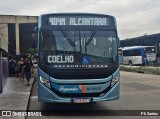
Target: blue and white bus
{"x":78,"y":58}
{"x":139,"y":55}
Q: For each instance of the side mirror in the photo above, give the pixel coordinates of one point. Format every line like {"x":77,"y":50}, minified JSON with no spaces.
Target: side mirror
{"x":35,"y":37}
{"x":118,"y":42}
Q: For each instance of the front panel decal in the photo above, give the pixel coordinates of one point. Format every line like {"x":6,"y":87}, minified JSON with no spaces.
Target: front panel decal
{"x":83,"y":89}
{"x":80,"y":88}
{"x":86,"y":60}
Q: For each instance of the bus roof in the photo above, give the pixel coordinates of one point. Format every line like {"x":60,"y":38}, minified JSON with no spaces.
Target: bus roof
{"x":77,"y":14}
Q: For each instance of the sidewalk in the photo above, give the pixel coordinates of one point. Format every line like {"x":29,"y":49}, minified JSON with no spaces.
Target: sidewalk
{"x":15,"y":95}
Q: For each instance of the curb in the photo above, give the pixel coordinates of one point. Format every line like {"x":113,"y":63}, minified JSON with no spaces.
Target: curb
{"x":30,"y":96}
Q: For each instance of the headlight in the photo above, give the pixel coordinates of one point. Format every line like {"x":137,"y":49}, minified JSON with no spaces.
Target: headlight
{"x":114,"y":80}
{"x":45,"y":81}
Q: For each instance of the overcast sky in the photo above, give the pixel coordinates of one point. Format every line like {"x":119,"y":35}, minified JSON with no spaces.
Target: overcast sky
{"x":134,"y":17}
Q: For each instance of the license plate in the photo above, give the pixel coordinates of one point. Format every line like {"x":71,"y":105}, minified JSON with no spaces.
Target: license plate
{"x":81,"y":100}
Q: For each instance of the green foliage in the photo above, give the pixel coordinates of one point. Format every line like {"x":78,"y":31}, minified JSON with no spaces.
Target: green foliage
{"x":32,"y":51}
{"x":145,"y":69}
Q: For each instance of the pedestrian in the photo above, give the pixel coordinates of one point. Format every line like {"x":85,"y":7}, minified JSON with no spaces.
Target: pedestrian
{"x":12,"y":66}
{"x":27,"y":70}
{"x":32,"y":68}
{"x":17,"y":69}
{"x":21,"y":70}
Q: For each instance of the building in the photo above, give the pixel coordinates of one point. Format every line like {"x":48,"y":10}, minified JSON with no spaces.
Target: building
{"x":16,"y":33}
{"x":15,"y":39}
{"x":146,"y":40}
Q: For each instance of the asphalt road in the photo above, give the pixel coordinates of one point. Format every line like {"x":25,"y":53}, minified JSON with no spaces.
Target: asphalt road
{"x":137,"y":92}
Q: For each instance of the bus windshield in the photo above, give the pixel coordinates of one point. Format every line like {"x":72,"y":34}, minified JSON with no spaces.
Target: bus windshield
{"x":150,"y":50}
{"x":78,"y":48}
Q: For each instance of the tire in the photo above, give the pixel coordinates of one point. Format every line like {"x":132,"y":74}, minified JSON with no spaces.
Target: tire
{"x":130,"y":63}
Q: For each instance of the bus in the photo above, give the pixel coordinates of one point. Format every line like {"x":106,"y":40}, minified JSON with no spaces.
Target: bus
{"x":78,"y":58}
{"x":139,"y":55}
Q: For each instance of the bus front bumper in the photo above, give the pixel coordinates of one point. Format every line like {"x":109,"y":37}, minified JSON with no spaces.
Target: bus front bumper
{"x":47,"y":95}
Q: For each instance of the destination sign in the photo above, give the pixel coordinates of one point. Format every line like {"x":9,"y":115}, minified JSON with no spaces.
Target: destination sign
{"x":79,"y":21}
{"x":68,"y":61}
{"x":60,"y":59}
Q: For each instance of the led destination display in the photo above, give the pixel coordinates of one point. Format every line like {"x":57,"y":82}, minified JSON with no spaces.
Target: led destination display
{"x":78,"y":21}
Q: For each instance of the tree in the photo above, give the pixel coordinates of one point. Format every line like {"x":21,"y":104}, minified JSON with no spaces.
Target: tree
{"x":32,"y":51}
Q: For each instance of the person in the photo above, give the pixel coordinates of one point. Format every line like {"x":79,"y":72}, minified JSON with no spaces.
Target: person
{"x":21,"y":70}
{"x":12,"y":66}
{"x":27,"y":70}
{"x":17,"y":68}
{"x":32,"y":68}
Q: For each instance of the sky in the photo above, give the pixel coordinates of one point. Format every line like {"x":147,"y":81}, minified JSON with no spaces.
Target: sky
{"x":134,"y":17}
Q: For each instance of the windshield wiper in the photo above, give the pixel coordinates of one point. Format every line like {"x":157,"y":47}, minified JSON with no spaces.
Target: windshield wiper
{"x":67,"y":37}
{"x":91,"y":37}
